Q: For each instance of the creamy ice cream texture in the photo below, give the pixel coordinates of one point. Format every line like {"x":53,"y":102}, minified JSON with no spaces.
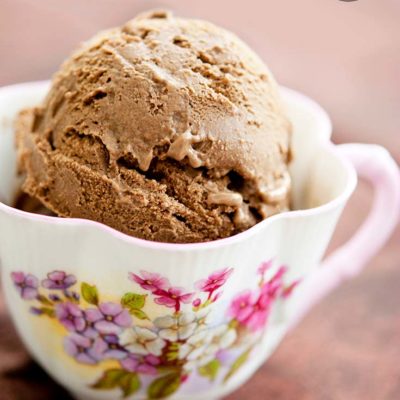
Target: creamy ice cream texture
{"x":166,"y":129}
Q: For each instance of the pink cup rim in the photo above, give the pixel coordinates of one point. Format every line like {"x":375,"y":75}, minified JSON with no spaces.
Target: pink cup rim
{"x":324,"y":125}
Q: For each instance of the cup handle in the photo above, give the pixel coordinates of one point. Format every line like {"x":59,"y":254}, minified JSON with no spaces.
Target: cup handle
{"x":374,"y":164}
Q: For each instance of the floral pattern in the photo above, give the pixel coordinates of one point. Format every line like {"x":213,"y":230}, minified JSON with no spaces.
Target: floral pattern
{"x":26,"y":284}
{"x":160,"y":354}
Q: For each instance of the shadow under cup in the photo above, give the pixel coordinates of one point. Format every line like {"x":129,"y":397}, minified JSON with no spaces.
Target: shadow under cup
{"x":242,"y":288}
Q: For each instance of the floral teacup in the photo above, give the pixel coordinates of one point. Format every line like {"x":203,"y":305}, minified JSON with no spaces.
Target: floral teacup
{"x":109,"y":316}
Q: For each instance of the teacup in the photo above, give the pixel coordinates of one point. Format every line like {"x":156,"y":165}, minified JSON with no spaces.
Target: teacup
{"x":109,"y":316}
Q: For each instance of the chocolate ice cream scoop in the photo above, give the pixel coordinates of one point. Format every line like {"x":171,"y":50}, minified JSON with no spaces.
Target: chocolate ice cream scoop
{"x":167,"y":129}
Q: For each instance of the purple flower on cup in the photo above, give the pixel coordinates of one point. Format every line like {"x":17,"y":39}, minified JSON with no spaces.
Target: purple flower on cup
{"x":142,"y":364}
{"x":26,"y":285}
{"x":109,"y":318}
{"x":71,"y":316}
{"x":90,"y":331}
{"x":54,"y":297}
{"x":71,"y":295}
{"x":36,"y":311}
{"x":108,"y":347}
{"x":81,"y":348}
{"x":90,"y":351}
{"x":58,"y":280}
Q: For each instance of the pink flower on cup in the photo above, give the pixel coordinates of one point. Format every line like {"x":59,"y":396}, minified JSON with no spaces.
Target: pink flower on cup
{"x":173,"y":297}
{"x":142,"y":364}
{"x":196,"y":302}
{"x":261,"y":310}
{"x":242,"y":306}
{"x":71,"y":316}
{"x":274,"y":286}
{"x":287,"y":291}
{"x":251,"y":309}
{"x":26,"y":285}
{"x":264,"y":267}
{"x":58,"y":280}
{"x":214,"y":281}
{"x":109,"y":318}
{"x":216,"y":296}
{"x":150,"y":281}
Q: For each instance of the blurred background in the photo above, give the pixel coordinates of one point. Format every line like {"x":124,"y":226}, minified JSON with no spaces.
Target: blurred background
{"x":346,"y":55}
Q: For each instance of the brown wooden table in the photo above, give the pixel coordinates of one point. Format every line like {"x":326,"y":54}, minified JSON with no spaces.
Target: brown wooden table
{"x":346,"y":55}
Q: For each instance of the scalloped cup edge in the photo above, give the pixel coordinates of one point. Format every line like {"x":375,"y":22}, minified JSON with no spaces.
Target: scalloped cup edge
{"x":324,"y":126}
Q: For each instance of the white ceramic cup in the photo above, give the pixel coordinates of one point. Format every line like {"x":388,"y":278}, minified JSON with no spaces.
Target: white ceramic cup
{"x":108,"y":315}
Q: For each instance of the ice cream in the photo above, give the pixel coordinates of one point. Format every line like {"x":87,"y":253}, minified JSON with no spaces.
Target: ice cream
{"x":30,"y":204}
{"x":166,"y":129}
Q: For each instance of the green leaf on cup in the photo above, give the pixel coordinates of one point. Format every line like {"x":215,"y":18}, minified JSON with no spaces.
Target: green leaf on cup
{"x":133,"y":300}
{"x":164,"y":386}
{"x":90,"y":293}
{"x":174,"y":346}
{"x":44,"y":300}
{"x":110,"y":379}
{"x":237,"y":364}
{"x":210,"y":370}
{"x":164,"y":369}
{"x":134,"y":303}
{"x":172,"y":355}
{"x":129,"y":384}
{"x":47,"y":311}
{"x":173,"y":351}
{"x":138,"y":313}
